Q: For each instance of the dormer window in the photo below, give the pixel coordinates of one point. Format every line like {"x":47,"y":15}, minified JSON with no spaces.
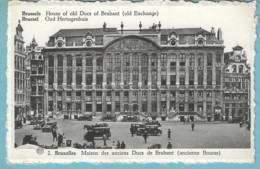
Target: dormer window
{"x":234,"y":68}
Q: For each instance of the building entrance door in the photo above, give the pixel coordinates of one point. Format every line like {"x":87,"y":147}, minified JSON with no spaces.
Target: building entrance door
{"x":181,"y":118}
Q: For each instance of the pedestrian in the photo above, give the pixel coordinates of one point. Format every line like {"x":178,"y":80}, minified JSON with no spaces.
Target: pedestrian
{"x":145,"y":135}
{"x":60,"y":139}
{"x":169,"y":134}
{"x":169,"y":146}
{"x":114,"y":145}
{"x":54,"y":133}
{"x":192,"y":126}
{"x":118,"y":145}
{"x":123,"y":145}
{"x":105,"y":139}
{"x":132,"y":131}
{"x":240,"y":124}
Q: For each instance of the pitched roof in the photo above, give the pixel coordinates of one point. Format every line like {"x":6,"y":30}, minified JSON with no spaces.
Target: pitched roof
{"x":101,"y":31}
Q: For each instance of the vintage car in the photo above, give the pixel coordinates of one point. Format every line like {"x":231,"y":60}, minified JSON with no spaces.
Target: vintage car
{"x":108,"y":118}
{"x":36,"y":121}
{"x":46,"y":128}
{"x":18,"y":124}
{"x":88,"y":127}
{"x":97,"y":132}
{"x":29,"y":139}
{"x":155,"y":146}
{"x":135,"y":126}
{"x":153,"y":122}
{"x":151,"y":130}
{"x":37,"y":127}
{"x":129,"y":119}
{"x":85,"y":118}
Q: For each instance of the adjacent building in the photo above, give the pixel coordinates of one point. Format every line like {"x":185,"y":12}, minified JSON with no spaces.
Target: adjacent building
{"x":237,"y":85}
{"x":21,"y":90}
{"x":174,"y":73}
{"x":36,"y":78}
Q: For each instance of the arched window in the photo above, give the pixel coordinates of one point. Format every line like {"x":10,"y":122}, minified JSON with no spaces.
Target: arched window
{"x":240,"y":69}
{"x":234,"y":67}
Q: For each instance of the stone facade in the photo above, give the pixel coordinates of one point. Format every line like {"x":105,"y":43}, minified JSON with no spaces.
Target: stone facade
{"x":237,"y":85}
{"x":173,"y":73}
{"x":36,"y":77}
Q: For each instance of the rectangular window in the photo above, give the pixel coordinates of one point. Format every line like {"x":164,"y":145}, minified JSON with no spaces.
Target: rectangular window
{"x":99,"y":40}
{"x":60,"y":77}
{"x":89,"y":61}
{"x":78,"y":78}
{"x":108,"y":93}
{"x":99,"y":61}
{"x":98,"y":93}
{"x":154,"y":106}
{"x":144,"y":60}
{"x":164,"y":38}
{"x":117,"y":107}
{"x":144,"y":107}
{"x":200,"y":77}
{"x":135,"y":77}
{"x":218,"y":77}
{"x":126,"y":78}
{"x":99,"y":107}
{"x":117,"y":60}
{"x":154,"y":77}
{"x":173,"y":79}
{"x":191,"y":77}
{"x":118,"y":77}
{"x":218,"y":58}
{"x":69,"y":60}
{"x":109,"y":60}
{"x":209,"y":59}
{"x":117,"y":93}
{"x":109,"y":78}
{"x":154,"y":60}
{"x":200,"y":60}
{"x":78,"y":61}
{"x":163,"y":79}
{"x":172,"y":93}
{"x":51,"y":61}
{"x":173,"y":60}
{"x":50,"y":106}
{"x":88,"y":93}
{"x":182,"y":80}
{"x":126,"y":93}
{"x":182,"y":60}
{"x":69,"y":77}
{"x":89,"y":79}
{"x":89,"y":107}
{"x":59,"y":105}
{"x":144,"y":78}
{"x":68,"y":94}
{"x":99,"y":79}
{"x":135,"y":60}
{"x":78,"y":94}
{"x":51,"y":77}
{"x":209,"y":77}
{"x":163,"y":60}
{"x":126,"y":60}
{"x":60,"y":61}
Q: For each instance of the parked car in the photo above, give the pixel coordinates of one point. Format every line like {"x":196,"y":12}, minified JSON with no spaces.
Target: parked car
{"x":49,"y":126}
{"x":155,"y":146}
{"x":153,"y":122}
{"x":97,"y":132}
{"x":88,"y":127}
{"x":108,"y":118}
{"x":18,"y":124}
{"x":85,"y":118}
{"x":151,"y":130}
{"x":37,"y":127}
{"x":135,"y":126}
{"x":129,"y":119}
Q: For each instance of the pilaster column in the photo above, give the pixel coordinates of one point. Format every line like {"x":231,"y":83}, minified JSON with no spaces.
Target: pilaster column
{"x":187,"y":70}
{"x":196,"y":71}
{"x":113,"y":96}
{"x":205,"y":104}
{"x":94,"y":60}
{"x":149,"y":94}
{"x":83,"y":70}
{"x":104,"y":92}
{"x":213,"y":105}
{"x":205,"y":70}
{"x":122,"y":99}
{"x":186,"y":105}
{"x":139,"y":83}
{"x":214,"y":70}
{"x":64,"y":69}
{"x":159,"y":103}
{"x":178,"y":70}
{"x":196,"y":100}
{"x":55,"y":84}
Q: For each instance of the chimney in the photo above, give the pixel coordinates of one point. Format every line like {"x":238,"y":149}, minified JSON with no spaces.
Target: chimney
{"x":220,"y":38}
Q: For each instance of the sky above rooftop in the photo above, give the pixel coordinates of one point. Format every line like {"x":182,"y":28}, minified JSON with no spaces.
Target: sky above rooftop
{"x":236,"y":21}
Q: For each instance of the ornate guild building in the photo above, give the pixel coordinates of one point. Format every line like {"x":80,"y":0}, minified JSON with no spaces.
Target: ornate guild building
{"x":21,"y":76}
{"x":237,"y":85}
{"x":36,"y":77}
{"x":174,"y":73}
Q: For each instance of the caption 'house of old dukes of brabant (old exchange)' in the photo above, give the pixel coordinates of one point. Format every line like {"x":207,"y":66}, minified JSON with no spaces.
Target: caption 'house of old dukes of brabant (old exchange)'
{"x":175,"y":73}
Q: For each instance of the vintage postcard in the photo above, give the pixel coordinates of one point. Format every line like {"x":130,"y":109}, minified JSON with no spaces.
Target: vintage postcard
{"x":130,"y":82}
